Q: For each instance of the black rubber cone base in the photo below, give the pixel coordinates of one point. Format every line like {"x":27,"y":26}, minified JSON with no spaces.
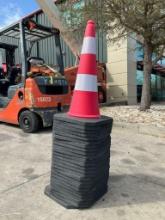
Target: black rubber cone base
{"x":58,"y":200}
{"x":70,"y":203}
{"x":80,"y":160}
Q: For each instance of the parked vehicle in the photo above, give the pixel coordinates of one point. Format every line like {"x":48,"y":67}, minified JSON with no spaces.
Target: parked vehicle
{"x":31,"y":93}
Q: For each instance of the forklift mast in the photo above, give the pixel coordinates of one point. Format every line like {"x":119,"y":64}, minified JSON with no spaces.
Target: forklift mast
{"x":23,"y":51}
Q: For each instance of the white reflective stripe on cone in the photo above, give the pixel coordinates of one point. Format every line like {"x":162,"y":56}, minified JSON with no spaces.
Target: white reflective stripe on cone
{"x":86,"y":82}
{"x":89,"y":45}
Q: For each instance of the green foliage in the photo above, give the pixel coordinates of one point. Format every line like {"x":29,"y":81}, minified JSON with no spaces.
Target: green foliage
{"x":146,"y":18}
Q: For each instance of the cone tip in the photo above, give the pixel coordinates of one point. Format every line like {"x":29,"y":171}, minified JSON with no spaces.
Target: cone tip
{"x":91,"y":22}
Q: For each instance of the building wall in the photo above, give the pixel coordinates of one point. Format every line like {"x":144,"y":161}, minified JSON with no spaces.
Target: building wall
{"x":46,"y":48}
{"x":121,"y":72}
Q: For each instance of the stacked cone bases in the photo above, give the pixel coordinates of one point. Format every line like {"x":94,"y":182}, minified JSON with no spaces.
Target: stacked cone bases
{"x":81,"y":139}
{"x":85,"y":97}
{"x":80,"y":161}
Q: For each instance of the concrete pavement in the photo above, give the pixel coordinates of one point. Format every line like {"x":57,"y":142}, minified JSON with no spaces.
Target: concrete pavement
{"x":136,"y":185}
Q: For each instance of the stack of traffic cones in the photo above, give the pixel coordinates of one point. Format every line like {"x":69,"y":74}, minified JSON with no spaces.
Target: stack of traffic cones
{"x":81,"y":139}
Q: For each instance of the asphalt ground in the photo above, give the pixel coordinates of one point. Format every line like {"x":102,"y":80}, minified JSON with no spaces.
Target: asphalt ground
{"x":136,"y":183}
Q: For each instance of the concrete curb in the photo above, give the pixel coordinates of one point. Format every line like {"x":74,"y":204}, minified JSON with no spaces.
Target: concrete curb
{"x":142,"y":128}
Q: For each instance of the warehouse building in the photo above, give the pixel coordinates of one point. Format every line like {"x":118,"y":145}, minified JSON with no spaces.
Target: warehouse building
{"x":123,"y":64}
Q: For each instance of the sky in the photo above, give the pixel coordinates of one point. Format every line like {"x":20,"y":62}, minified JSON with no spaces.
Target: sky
{"x":13,"y":10}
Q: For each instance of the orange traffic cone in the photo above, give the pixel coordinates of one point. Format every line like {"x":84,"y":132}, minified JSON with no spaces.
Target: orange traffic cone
{"x":84,"y":102}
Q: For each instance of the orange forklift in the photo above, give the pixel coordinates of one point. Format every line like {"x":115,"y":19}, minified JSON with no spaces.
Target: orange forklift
{"x":31,"y":93}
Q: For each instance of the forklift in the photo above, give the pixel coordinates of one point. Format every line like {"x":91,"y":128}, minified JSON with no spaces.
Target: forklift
{"x":32,"y":92}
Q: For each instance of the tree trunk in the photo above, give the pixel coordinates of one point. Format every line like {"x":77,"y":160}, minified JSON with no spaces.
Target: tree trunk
{"x":146,"y":91}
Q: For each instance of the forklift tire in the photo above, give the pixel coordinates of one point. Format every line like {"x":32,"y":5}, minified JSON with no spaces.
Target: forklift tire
{"x":29,"y":122}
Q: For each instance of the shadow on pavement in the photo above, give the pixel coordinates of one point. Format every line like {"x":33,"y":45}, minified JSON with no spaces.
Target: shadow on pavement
{"x":132,"y":189}
{"x":45,"y":130}
{"x":17,"y":129}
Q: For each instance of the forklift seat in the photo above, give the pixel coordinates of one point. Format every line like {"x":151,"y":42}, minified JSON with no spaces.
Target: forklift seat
{"x":12,"y":90}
